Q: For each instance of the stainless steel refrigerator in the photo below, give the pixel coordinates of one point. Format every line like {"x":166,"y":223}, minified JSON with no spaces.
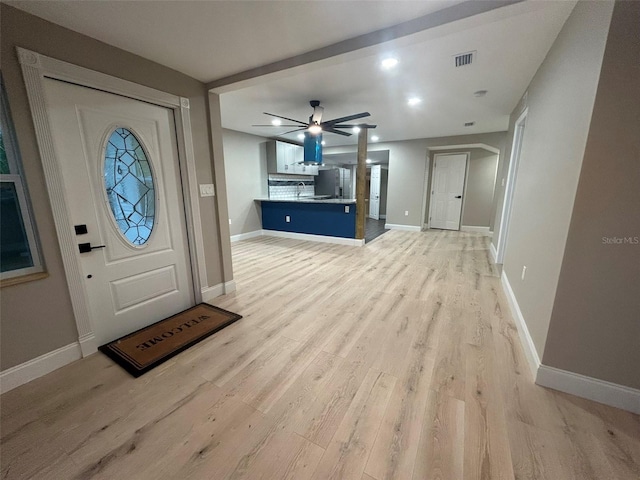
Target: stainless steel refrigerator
{"x":335,"y":182}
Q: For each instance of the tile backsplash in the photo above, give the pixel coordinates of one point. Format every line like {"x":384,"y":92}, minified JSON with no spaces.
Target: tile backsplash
{"x":287,"y":186}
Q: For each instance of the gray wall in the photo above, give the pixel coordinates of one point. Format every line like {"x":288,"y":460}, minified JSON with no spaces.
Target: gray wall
{"x":479,"y":186}
{"x":595,"y":323}
{"x":32,"y":328}
{"x":384,"y":182}
{"x":408,"y":162}
{"x":245,"y":160}
{"x":560,"y":101}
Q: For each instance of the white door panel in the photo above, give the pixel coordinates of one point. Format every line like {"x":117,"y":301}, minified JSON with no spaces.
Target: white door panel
{"x":128,"y":286}
{"x":447,"y":190}
{"x":374,"y":192}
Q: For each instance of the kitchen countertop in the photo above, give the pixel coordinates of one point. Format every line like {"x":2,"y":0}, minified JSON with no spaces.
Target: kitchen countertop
{"x":339,"y":201}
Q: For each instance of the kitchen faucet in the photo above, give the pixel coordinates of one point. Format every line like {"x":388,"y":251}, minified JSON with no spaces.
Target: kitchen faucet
{"x":300,"y":190}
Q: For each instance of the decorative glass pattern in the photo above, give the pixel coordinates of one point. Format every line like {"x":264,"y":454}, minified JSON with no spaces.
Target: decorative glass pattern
{"x":130,"y":186}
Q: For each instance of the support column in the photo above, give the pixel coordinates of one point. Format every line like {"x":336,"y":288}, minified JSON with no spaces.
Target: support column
{"x":361,"y":182}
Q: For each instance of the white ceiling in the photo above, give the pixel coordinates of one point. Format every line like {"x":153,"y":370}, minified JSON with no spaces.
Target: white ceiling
{"x":214,"y":39}
{"x":510,"y":43}
{"x":377,"y":157}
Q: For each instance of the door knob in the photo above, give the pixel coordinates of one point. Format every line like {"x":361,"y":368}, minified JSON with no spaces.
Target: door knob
{"x":86,"y":247}
{"x":458,"y":196}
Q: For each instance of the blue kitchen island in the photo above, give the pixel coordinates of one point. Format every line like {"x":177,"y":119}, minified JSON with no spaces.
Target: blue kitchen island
{"x":332,"y":217}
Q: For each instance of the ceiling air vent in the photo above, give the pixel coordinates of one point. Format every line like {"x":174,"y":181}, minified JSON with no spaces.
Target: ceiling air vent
{"x":463,"y":59}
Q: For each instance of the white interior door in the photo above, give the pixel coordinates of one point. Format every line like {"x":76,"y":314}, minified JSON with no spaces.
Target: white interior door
{"x":446,"y":191}
{"x":374,"y":192}
{"x":121,"y":175}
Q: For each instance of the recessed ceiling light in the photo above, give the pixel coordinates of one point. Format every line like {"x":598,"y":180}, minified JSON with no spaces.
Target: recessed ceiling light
{"x":301,"y":136}
{"x":480,"y":93}
{"x":413,"y":101}
{"x":323,"y":142}
{"x":356,"y":129}
{"x":368,"y":160}
{"x":276,"y":122}
{"x":374,"y":138}
{"x":389,"y":63}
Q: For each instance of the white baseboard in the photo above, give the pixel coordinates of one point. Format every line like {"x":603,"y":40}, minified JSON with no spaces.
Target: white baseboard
{"x":397,"y":226}
{"x":20,"y":374}
{"x":246,"y":236}
{"x":590,"y":388}
{"x":230,"y":287}
{"x":88,"y":344}
{"x":209,"y":293}
{"x":525,"y":338}
{"x":315,"y":238}
{"x":472,"y":228}
{"x":594,"y":389}
{"x":493,"y":253}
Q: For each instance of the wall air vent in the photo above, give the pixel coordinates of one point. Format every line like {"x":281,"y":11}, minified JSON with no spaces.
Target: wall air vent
{"x":469,"y":124}
{"x":463,"y":59}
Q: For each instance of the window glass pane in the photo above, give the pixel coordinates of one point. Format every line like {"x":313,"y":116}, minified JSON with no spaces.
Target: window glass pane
{"x":130,"y":187}
{"x":4,"y":163}
{"x":15,"y":245}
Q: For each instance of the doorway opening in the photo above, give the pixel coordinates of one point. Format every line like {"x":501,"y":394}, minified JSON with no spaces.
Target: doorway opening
{"x":376,"y":201}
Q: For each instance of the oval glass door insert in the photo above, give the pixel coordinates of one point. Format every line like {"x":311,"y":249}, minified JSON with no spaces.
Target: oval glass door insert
{"x":130,"y":187}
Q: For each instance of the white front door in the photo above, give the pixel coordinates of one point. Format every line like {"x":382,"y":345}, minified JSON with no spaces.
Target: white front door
{"x":446,"y":190}
{"x":374,"y":192}
{"x":120,"y":170}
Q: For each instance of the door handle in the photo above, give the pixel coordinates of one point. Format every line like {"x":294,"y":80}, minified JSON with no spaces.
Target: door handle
{"x":86,"y":247}
{"x":458,"y":196}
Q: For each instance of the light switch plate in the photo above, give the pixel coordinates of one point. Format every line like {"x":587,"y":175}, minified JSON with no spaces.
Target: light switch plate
{"x":346,"y":209}
{"x":207,"y":190}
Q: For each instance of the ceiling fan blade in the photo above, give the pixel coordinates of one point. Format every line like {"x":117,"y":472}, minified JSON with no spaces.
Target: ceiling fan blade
{"x":339,"y":132}
{"x":285,"y":118}
{"x":291,"y":131}
{"x":347,"y":118}
{"x":317,"y":114}
{"x":364,"y":125}
{"x":272,"y":125}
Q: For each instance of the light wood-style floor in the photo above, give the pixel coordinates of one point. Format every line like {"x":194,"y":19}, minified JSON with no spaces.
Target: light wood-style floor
{"x":398,"y":360}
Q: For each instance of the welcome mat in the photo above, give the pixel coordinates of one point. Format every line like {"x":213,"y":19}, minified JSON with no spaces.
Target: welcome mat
{"x":150,"y":346}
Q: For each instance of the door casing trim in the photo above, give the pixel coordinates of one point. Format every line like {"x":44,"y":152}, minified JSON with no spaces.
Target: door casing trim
{"x":509,"y":189}
{"x":35,"y":68}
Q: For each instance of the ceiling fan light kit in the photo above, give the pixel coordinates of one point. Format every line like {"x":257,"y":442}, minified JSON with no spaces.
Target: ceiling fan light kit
{"x":313,"y":129}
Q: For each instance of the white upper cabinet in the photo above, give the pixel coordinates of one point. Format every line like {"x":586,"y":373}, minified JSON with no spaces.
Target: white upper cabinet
{"x":285,"y":157}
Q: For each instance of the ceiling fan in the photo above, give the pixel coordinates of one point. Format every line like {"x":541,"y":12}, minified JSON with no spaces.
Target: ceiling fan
{"x":315,"y":125}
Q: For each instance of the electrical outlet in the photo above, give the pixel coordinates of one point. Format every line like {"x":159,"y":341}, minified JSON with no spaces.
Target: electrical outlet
{"x":406,"y":213}
{"x":346,"y":209}
{"x":287,"y":218}
{"x":524,"y":271}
